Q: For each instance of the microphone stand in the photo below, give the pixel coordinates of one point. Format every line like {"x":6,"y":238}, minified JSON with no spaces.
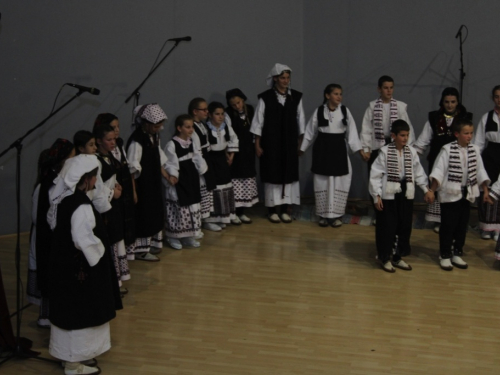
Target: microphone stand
{"x":136,"y":92}
{"x":462,"y":73}
{"x":19,"y":351}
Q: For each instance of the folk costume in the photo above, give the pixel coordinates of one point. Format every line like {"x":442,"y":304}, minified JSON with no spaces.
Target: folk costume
{"x":207,"y":180}
{"x":376,"y":125}
{"x":334,"y":134}
{"x":279,"y":121}
{"x":222,"y":140}
{"x":183,"y":201}
{"x":41,"y":234}
{"x":113,"y":219}
{"x":145,"y":160}
{"x":83,"y":288}
{"x":392,"y":178}
{"x":487,"y":138}
{"x":459,"y":172}
{"x":243,"y":172}
{"x":437,"y":132}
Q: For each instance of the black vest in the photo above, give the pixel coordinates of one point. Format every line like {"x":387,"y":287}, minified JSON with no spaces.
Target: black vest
{"x":329,"y":150}
{"x":441,"y":134}
{"x":188,"y":184}
{"x":80,"y":296}
{"x":149,"y":208}
{"x":279,"y":164}
{"x":243,"y":165}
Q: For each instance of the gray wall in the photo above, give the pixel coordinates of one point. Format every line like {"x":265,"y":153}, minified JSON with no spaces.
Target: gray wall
{"x":111,"y":45}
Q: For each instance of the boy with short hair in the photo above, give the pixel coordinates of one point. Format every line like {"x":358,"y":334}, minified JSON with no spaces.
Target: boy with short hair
{"x":392,"y":185}
{"x":380,"y":114}
{"x":457,"y":174}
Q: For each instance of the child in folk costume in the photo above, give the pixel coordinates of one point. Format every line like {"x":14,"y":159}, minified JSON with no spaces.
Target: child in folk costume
{"x":494,"y":198}
{"x":101,"y":196}
{"x":333,"y":125}
{"x":438,"y":132}
{"x":457,"y":173}
{"x":392,"y":185}
{"x":279,"y":125}
{"x":223,"y":144}
{"x":83,"y":288}
{"x":182,"y":190}
{"x":147,"y":163}
{"x":380,"y":114}
{"x":198,"y":109}
{"x":113,"y":219}
{"x":243,"y":171}
{"x":487,"y":138}
{"x":125,"y":179}
{"x":49,"y":165}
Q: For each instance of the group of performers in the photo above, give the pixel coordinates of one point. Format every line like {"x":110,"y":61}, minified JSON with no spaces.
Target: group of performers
{"x":100,"y":202}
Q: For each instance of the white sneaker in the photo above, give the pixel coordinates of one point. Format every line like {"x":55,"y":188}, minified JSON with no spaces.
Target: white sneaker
{"x":337,"y":223}
{"x":147,"y":257}
{"x":81,"y":369}
{"x":387,"y":267}
{"x":285,"y":218}
{"x":212,"y":227}
{"x":236,"y":221}
{"x":437,"y":227}
{"x":43,"y":323}
{"x":190,"y":241}
{"x":245,"y":219}
{"x":274,"y":218}
{"x":199,"y":236}
{"x":174,"y":243}
{"x":459,"y":262}
{"x":446,"y":264}
{"x":486,"y":235}
{"x":402,"y":265}
{"x":222,"y":225}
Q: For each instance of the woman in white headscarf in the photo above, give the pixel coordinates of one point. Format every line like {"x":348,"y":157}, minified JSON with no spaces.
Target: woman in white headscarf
{"x":83,"y":289}
{"x":279,"y":125}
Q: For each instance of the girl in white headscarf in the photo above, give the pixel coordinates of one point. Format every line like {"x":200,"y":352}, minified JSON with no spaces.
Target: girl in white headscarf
{"x":83,"y":289}
{"x":147,"y":164}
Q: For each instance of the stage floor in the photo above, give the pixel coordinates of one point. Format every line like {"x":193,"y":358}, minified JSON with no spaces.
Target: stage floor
{"x":293,"y":299}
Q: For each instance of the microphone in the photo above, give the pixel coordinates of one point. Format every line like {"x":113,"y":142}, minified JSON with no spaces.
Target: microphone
{"x":185,"y":39}
{"x":90,"y":90}
{"x":459,"y":31}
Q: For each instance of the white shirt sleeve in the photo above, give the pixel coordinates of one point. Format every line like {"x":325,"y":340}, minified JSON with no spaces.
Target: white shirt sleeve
{"x":376,"y":176}
{"x":301,"y":118}
{"x":352,"y":133}
{"x":134,"y":153}
{"x":480,"y":136}
{"x":424,"y":139}
{"x":439,"y":171}
{"x":367,"y":130}
{"x":233,"y":144}
{"x":172,"y":165}
{"x":82,"y":225}
{"x":311,"y":131}
{"x":419,"y":174}
{"x":258,"y":118}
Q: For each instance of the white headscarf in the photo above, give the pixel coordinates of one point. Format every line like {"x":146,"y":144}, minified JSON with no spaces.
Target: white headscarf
{"x":152,"y":113}
{"x":65,"y":183}
{"x":276,"y":71}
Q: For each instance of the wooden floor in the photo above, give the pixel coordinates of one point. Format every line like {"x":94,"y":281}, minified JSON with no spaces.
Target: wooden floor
{"x":294,"y":299}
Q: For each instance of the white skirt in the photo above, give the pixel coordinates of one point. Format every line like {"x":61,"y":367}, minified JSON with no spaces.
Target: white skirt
{"x":79,"y":344}
{"x":331,"y":193}
{"x":274,"y":194}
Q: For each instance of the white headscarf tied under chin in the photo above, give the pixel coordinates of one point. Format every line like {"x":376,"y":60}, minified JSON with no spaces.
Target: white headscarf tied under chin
{"x":276,"y":71}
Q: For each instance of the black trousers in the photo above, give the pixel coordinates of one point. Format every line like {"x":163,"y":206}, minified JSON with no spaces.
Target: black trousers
{"x":395,"y":219}
{"x":454,"y":221}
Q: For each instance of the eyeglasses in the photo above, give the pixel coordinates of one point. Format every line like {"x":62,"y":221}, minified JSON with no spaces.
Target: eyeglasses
{"x":202,"y":109}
